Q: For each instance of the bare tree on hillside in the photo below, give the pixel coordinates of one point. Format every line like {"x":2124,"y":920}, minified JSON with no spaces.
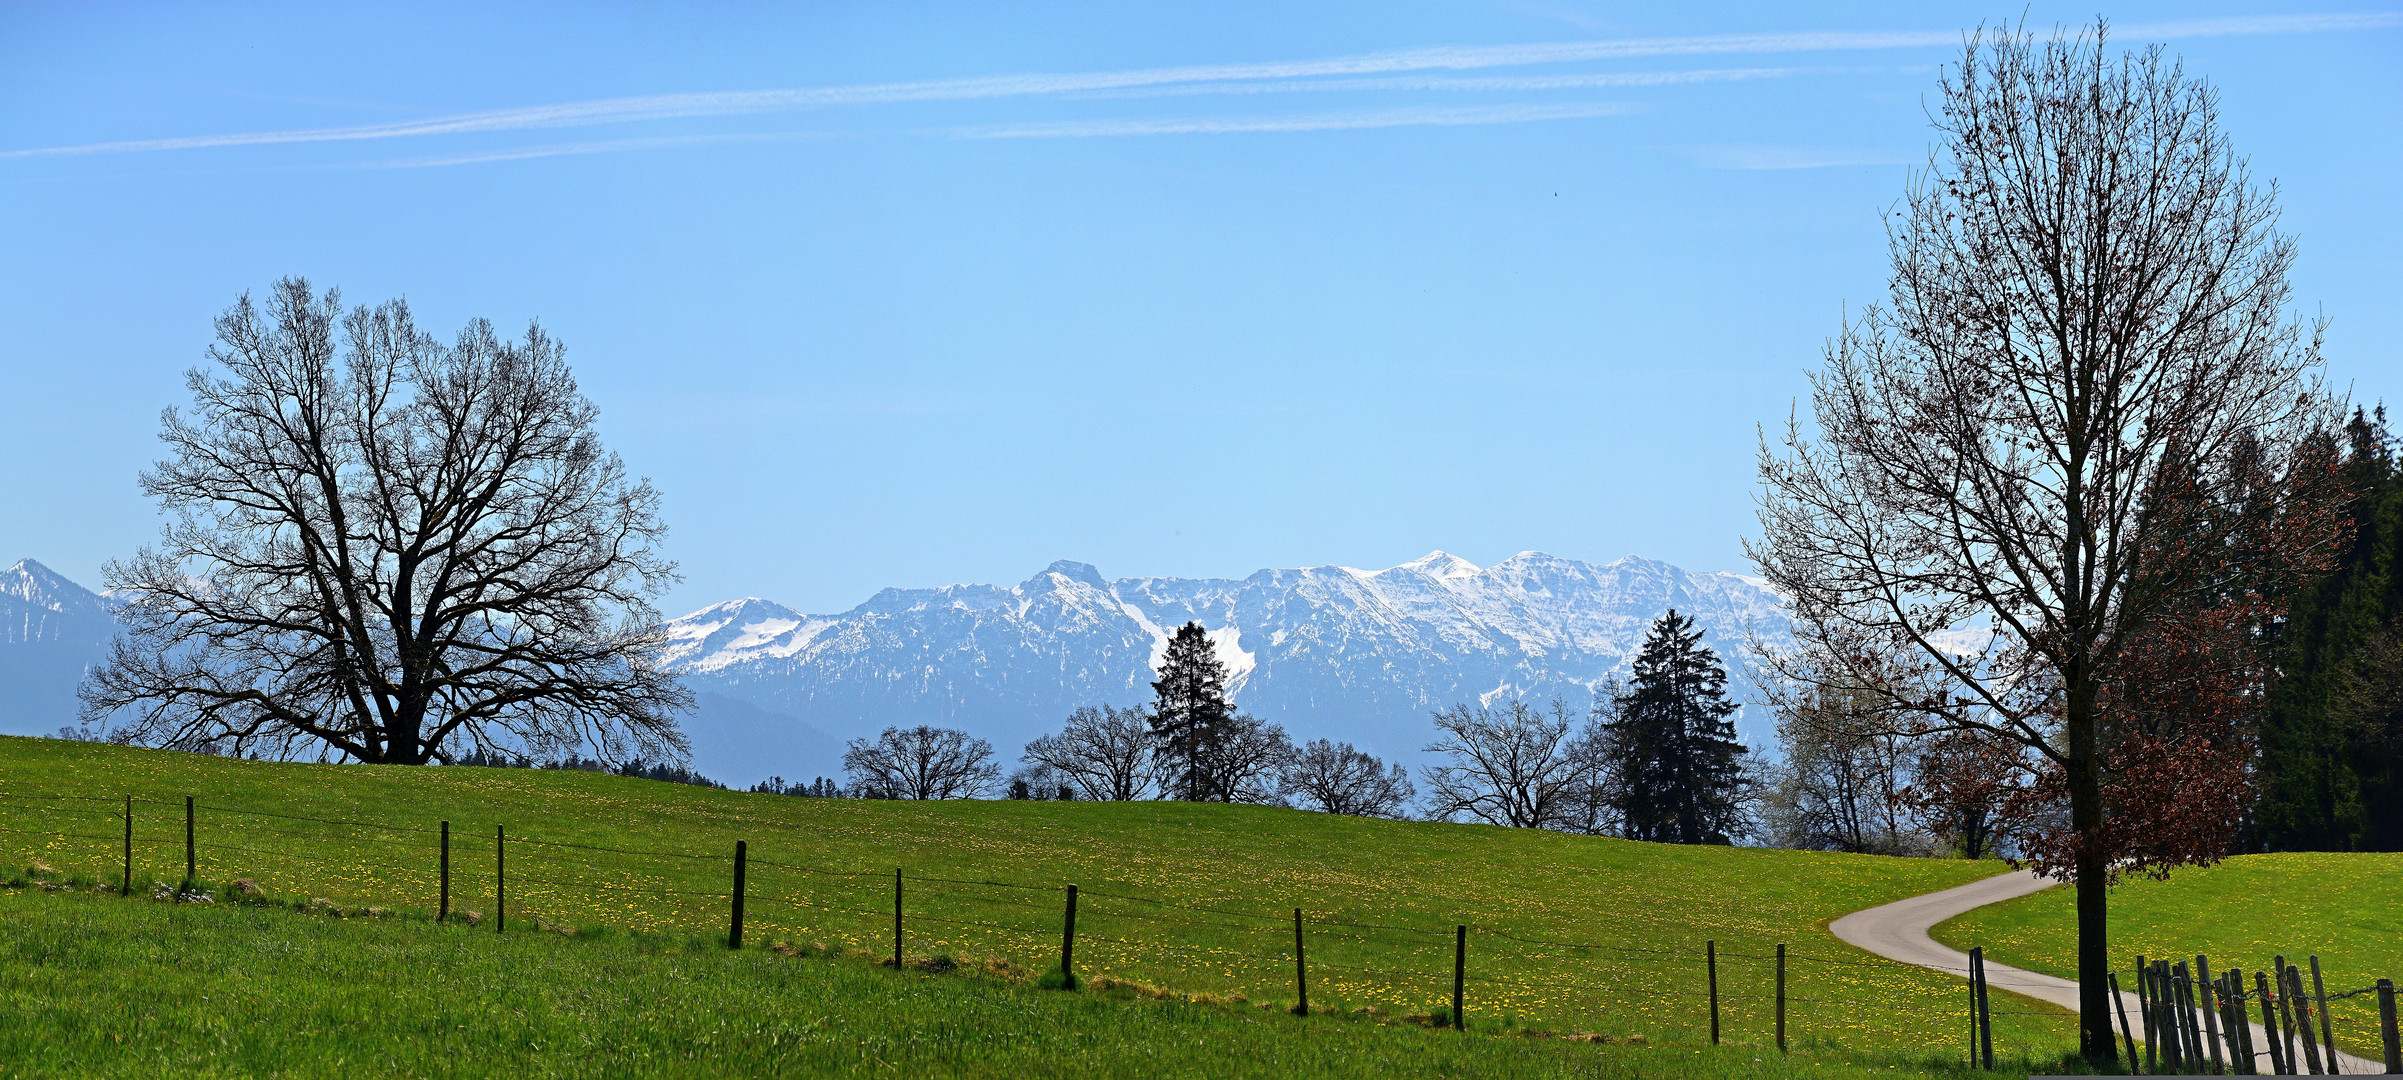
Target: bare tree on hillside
{"x":2086,"y":422}
{"x":1105,"y":751}
{"x":1510,"y":766}
{"x":1844,"y":783}
{"x":1242,"y":761}
{"x":1337,"y":778}
{"x":921,"y":762}
{"x":388,"y":549}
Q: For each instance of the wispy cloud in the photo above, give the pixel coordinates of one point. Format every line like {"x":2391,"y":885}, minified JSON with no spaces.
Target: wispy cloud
{"x":1489,"y":84}
{"x":1770,"y":156}
{"x":1341,"y":121}
{"x":595,"y":146}
{"x":1439,"y":58}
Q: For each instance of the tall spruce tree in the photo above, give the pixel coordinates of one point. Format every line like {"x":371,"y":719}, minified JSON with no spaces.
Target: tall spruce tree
{"x":2330,"y":781}
{"x":1190,"y":716}
{"x":1673,"y":762}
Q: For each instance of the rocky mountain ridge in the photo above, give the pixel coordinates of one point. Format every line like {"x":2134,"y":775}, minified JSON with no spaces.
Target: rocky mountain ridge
{"x":1328,"y":651}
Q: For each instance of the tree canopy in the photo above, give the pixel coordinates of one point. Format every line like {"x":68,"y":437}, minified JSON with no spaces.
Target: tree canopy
{"x":384,"y":548}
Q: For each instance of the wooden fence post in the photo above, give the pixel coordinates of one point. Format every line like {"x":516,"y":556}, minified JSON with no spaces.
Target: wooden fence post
{"x":191,"y":859}
{"x":1301,"y":972}
{"x":2147,"y":1016}
{"x":2269,"y":1022}
{"x":2311,"y":1046}
{"x":500,"y":878}
{"x":2386,"y":1026}
{"x":2319,"y":989}
{"x":2210,"y":1008}
{"x":896,"y":918}
{"x":442,"y":913}
{"x":1985,"y":1015}
{"x":2240,"y":1028}
{"x":2173,"y":1021}
{"x":2285,"y":1029}
{"x":126,"y":889}
{"x":1781,"y":997}
{"x":742,"y":863}
{"x":2121,"y":1003}
{"x":2190,"y":1024}
{"x":1710,"y":960}
{"x":1068,"y":943}
{"x":2244,"y":1025}
{"x":1459,"y":975}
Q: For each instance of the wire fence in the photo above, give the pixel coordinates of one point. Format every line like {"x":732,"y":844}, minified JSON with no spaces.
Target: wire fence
{"x":1517,"y":975}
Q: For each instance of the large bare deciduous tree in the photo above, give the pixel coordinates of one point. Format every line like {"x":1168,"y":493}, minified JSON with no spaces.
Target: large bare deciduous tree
{"x":1339,"y":778}
{"x":921,"y":762}
{"x":1105,"y":751}
{"x":387,"y":549}
{"x":2087,"y":423}
{"x":1516,"y":766}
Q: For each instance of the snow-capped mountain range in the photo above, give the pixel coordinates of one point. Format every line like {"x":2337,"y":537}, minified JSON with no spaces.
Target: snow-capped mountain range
{"x":50,"y":630}
{"x":1330,"y":651}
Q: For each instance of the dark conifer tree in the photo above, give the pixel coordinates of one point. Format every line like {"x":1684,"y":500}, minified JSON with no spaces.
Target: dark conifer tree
{"x":1190,"y":715}
{"x":2331,"y":773}
{"x":1672,"y":761}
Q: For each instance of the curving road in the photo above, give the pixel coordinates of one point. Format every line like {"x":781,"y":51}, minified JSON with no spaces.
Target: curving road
{"x":1898,"y":931}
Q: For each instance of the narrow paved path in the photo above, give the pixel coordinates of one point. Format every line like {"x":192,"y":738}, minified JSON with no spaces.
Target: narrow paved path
{"x":1898,"y":931}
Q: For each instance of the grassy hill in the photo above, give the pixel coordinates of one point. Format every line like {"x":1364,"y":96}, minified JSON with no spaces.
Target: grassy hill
{"x":98,"y":986}
{"x":2347,"y":909}
{"x":1571,"y":933}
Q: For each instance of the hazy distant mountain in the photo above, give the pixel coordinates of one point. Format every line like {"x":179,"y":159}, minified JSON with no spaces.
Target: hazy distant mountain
{"x":1328,"y":651}
{"x":50,"y":630}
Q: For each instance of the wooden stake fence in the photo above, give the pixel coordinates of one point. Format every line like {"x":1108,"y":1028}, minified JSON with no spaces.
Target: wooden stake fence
{"x":1301,"y":971}
{"x":1068,"y":942}
{"x":2210,"y":1008}
{"x":742,"y":856}
{"x":2319,"y":989}
{"x":2386,"y":1026}
{"x":1459,"y":975}
{"x":1710,"y":960}
{"x":1781,"y":997}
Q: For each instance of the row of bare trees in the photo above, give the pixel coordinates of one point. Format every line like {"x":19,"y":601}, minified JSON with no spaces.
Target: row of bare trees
{"x":1110,"y":754}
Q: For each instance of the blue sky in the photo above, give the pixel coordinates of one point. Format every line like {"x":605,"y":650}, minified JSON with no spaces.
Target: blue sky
{"x":885,"y":295}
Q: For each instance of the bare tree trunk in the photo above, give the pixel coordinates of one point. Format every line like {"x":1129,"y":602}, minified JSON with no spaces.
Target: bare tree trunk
{"x":2091,"y":864}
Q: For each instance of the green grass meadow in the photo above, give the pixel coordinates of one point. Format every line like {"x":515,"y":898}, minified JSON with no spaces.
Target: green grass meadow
{"x":98,"y":986}
{"x":2346,"y":909}
{"x":1571,"y":934}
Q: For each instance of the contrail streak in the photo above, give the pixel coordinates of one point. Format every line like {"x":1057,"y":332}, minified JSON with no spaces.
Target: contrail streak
{"x":1367,"y":118}
{"x":1438,"y":58}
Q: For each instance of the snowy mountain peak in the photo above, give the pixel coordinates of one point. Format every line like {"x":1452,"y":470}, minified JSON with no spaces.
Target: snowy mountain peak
{"x":1442,"y":566}
{"x":33,"y":583}
{"x":744,"y":625}
{"x":51,"y":631}
{"x":1066,"y":570}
